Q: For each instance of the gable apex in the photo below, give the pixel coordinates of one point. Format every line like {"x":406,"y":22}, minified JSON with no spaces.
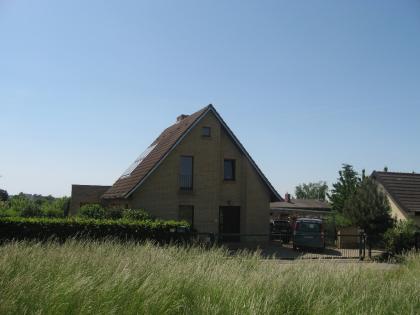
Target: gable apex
{"x":165,"y":144}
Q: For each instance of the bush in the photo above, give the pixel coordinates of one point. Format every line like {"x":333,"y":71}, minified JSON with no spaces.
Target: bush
{"x":136,"y":215}
{"x":7,"y":212}
{"x":37,"y":206}
{"x":31,"y":209}
{"x":114,"y":213}
{"x":401,"y":237}
{"x":55,"y":208}
{"x":64,"y":228}
{"x":18,"y":203}
{"x":92,"y":211}
{"x":52,"y":212}
{"x":4,"y":205}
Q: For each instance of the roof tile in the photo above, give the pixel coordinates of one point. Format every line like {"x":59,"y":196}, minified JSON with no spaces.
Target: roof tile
{"x":404,"y":188}
{"x":167,"y":139}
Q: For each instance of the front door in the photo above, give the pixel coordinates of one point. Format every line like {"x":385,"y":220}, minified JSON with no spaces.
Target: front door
{"x":230,"y":223}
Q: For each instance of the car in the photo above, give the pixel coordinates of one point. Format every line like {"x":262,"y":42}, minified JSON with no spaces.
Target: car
{"x":308,"y":233}
{"x":281,"y":229}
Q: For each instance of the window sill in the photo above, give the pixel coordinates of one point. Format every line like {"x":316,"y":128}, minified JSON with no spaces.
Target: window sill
{"x":186,"y":192}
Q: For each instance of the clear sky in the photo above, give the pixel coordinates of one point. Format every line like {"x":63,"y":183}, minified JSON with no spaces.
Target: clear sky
{"x":86,"y":86}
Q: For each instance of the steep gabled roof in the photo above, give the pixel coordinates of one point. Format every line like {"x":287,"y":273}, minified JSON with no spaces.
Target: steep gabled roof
{"x":161,"y":148}
{"x":404,"y":188}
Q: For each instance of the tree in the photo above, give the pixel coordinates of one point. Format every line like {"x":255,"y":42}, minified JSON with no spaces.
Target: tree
{"x":4,"y":196}
{"x":368,"y":208}
{"x":312,"y":191}
{"x":346,"y":186}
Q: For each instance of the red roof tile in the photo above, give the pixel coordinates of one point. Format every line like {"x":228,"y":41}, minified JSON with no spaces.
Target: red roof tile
{"x":169,"y":138}
{"x":164,"y":144}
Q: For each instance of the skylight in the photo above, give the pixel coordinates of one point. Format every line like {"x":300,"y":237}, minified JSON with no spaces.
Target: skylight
{"x":137,"y":162}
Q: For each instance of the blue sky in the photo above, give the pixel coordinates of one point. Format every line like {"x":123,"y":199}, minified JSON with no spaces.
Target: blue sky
{"x":86,"y":86}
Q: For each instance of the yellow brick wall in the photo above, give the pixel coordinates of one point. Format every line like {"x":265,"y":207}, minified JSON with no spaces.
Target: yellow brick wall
{"x":160,"y":195}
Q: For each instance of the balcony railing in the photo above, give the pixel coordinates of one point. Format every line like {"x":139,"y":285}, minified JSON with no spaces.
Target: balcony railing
{"x":186,"y":182}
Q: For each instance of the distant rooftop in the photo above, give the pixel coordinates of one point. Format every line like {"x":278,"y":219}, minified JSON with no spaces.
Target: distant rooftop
{"x":404,"y":188}
{"x":302,"y":204}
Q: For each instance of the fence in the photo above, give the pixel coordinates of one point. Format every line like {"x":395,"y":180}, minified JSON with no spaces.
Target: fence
{"x":290,"y":246}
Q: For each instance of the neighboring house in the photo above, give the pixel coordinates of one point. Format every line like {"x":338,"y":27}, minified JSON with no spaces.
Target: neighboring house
{"x":85,"y":194}
{"x":198,"y":171}
{"x":403,"y":192}
{"x":294,"y":208}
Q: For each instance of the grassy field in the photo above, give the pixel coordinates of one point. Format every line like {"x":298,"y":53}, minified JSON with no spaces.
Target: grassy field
{"x":110,"y":278}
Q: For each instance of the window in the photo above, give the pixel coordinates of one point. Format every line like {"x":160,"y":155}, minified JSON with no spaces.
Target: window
{"x":206,"y":132}
{"x":186,"y":213}
{"x":186,"y":173}
{"x":229,"y":170}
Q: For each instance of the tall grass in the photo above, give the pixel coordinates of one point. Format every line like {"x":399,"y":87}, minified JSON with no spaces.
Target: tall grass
{"x":114,"y":278}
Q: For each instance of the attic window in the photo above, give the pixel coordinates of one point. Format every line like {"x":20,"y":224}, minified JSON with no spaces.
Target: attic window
{"x":206,"y":132}
{"x":137,"y":162}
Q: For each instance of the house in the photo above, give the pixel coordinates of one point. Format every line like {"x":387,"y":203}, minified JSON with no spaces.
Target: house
{"x":294,"y":208}
{"x":198,"y":171}
{"x":85,"y":194}
{"x":403,"y":192}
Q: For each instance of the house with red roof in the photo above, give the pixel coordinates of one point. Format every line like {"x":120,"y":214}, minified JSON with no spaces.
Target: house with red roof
{"x":197,"y":170}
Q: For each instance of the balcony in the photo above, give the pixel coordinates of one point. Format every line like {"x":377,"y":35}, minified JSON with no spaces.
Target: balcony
{"x":186,"y":182}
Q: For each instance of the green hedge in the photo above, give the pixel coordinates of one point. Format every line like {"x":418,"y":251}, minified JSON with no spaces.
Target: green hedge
{"x":59,"y":228}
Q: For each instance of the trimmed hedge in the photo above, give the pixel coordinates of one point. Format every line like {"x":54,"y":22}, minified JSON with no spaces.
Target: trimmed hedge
{"x":46,"y":228}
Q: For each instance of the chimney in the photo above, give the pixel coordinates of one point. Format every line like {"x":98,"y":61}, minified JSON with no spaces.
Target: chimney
{"x":181,"y":117}
{"x":287,"y":197}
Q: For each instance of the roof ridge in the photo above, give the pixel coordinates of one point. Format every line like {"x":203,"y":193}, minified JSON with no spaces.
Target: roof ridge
{"x":397,"y":173}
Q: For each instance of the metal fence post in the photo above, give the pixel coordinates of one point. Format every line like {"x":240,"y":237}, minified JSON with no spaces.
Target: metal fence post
{"x":364,"y":245}
{"x":361,"y":246}
{"x":369,"y":245}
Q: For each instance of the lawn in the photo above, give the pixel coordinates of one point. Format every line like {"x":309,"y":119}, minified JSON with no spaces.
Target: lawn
{"x":113,"y":278}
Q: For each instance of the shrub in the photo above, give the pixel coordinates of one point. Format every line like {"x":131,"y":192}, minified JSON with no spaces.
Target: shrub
{"x":36,"y":206}
{"x":18,"y":203}
{"x":401,"y":237}
{"x":4,"y":205}
{"x":136,"y":215}
{"x":92,"y":211}
{"x":114,"y":213}
{"x":7,"y":212}
{"x":52,"y":212}
{"x":64,"y":228}
{"x":31,"y":209}
{"x":55,"y":208}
